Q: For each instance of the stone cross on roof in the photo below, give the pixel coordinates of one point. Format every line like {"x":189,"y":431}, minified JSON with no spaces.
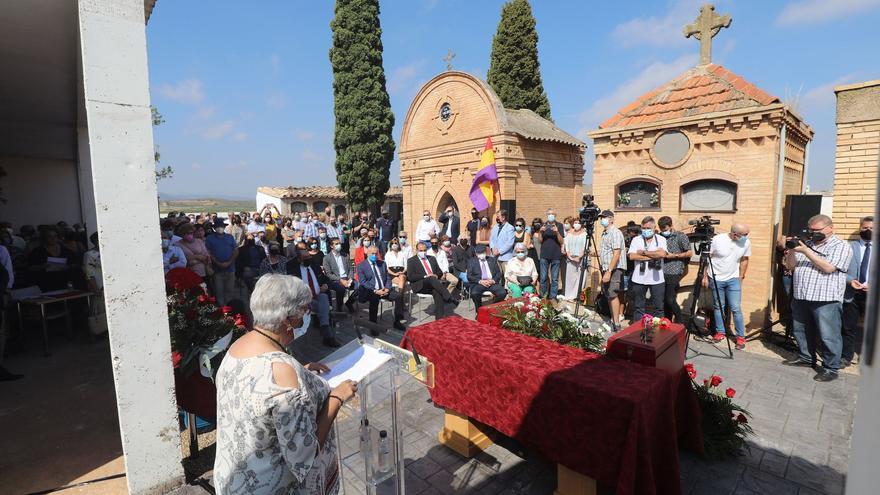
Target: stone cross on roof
{"x":704,"y":28}
{"x":448,"y":58}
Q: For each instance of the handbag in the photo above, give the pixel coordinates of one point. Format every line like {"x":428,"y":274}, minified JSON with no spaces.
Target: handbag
{"x":601,"y":305}
{"x":524,"y":280}
{"x":97,"y":320}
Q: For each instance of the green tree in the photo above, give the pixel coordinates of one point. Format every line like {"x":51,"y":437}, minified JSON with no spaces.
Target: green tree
{"x":364,"y":121}
{"x":514,"y":70}
{"x":161,"y":172}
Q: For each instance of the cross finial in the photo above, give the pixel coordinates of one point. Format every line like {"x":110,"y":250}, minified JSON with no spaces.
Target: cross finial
{"x":448,"y":58}
{"x":704,"y":28}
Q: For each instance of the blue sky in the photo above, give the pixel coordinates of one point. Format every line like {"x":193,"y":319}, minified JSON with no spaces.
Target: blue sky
{"x":246,"y":88}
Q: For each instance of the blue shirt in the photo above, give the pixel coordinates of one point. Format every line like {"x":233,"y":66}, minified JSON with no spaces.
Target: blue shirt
{"x":502,"y":239}
{"x":221,"y":248}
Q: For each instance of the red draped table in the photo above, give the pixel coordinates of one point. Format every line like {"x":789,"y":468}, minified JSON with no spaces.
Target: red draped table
{"x":615,"y":421}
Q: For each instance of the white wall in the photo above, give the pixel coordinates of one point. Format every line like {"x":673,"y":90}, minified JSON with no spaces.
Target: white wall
{"x":40,"y":191}
{"x":263,"y":199}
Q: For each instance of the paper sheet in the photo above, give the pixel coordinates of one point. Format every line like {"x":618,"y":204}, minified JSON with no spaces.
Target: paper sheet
{"x":355,"y":366}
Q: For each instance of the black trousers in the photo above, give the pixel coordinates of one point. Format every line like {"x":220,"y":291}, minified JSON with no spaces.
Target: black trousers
{"x":852,"y":329}
{"x":477,"y":291}
{"x":640,"y":294}
{"x":367,"y":295}
{"x":670,"y":298}
{"x":436,"y":288}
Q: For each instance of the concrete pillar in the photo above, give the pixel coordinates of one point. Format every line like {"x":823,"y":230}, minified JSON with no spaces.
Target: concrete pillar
{"x":120,"y":144}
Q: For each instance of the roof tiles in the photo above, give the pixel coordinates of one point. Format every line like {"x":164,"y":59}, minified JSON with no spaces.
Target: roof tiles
{"x":701,"y":90}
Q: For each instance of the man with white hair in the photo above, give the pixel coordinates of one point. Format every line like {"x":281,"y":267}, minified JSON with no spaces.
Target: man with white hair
{"x":730,"y":259}
{"x":426,"y":227}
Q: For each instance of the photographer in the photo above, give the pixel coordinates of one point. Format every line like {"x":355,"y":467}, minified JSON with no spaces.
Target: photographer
{"x":647,"y":252}
{"x":552,"y":239}
{"x":613,"y":264}
{"x":675,"y":265}
{"x":730,"y":259}
{"x":820,"y":265}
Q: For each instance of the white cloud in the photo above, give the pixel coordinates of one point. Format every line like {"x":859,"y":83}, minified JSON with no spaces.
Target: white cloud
{"x":649,"y":78}
{"x":275,"y":61}
{"x":276,"y":100}
{"x":218,"y":130}
{"x":662,"y":30}
{"x":818,"y":11}
{"x":304,"y":135}
{"x":189,"y":91}
{"x":402,"y":77}
{"x":821,"y":97}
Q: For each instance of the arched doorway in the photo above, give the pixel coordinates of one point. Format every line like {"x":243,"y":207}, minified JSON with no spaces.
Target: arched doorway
{"x":445,"y":201}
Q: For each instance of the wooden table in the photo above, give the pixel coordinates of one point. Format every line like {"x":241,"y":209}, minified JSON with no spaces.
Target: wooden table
{"x":55,"y":297}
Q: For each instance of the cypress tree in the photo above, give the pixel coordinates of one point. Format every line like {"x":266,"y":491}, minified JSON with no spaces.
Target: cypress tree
{"x":364,"y":122}
{"x":514,"y":70}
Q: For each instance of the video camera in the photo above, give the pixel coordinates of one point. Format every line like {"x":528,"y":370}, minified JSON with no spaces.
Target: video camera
{"x":589,"y":212}
{"x":804,"y":236}
{"x":704,"y":227}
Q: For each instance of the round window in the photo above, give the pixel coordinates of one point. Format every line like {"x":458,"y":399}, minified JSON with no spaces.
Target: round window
{"x":671,"y":148}
{"x":445,"y":112}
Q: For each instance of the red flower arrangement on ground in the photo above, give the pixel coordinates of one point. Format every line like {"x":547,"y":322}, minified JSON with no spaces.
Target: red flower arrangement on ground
{"x":725,"y":424}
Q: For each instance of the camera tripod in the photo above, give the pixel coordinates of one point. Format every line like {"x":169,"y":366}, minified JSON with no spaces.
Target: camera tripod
{"x":706,"y":263}
{"x":585,"y":264}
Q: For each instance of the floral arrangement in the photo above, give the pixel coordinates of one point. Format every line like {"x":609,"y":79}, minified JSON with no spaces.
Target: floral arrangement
{"x":201,"y":331}
{"x":725,"y":424}
{"x":539,"y":318}
{"x":655,"y":199}
{"x":650,"y":324}
{"x":623,"y":199}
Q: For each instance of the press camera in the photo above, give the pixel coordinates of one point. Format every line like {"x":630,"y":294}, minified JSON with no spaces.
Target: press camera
{"x":804,"y":236}
{"x":589,"y":212}
{"x":704,"y":227}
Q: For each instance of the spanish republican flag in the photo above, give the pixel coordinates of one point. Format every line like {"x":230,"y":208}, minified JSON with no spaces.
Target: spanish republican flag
{"x":486,"y":180}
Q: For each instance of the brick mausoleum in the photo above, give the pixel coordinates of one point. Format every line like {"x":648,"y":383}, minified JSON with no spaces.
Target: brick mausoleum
{"x":706,"y":143}
{"x":539,"y":165}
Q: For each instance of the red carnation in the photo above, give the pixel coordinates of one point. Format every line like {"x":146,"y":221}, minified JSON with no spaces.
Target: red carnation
{"x":741,"y":418}
{"x":202,"y":299}
{"x":240,"y":321}
{"x":226,"y":310}
{"x":731,"y":393}
{"x":705,"y":383}
{"x":175,"y":358}
{"x":182,"y":279}
{"x":716,"y":380}
{"x":665,"y":323}
{"x":691,"y":371}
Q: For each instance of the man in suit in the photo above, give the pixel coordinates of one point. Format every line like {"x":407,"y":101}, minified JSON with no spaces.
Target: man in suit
{"x":304,"y":268}
{"x":484,"y":275}
{"x":385,"y":229}
{"x":451,"y":224}
{"x":502,"y":239}
{"x":374,"y":284}
{"x":857,"y":282}
{"x":337,"y":268}
{"x":423,"y":274}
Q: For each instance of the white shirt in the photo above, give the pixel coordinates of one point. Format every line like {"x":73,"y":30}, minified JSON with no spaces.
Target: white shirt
{"x":92,"y":267}
{"x":442,"y":260}
{"x":425,"y":230}
{"x":644,"y":274}
{"x":255,"y":227}
{"x":173,"y":250}
{"x":396,"y":258}
{"x":343,"y":273}
{"x":726,"y":255}
{"x":407,"y":251}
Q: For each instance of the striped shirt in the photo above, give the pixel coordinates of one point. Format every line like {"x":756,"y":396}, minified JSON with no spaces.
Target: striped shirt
{"x":812,"y":284}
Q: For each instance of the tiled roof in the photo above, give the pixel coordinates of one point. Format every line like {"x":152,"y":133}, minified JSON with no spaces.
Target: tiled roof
{"x":318,"y":192}
{"x":530,"y":125}
{"x":702,"y":89}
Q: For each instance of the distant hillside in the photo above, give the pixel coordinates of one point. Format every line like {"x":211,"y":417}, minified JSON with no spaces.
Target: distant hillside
{"x":206,"y":205}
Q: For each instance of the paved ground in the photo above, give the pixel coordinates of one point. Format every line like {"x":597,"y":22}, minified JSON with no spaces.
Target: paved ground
{"x":801,"y":443}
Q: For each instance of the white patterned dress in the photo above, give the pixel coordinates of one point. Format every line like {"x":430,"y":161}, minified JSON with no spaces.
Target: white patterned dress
{"x":267,"y":435}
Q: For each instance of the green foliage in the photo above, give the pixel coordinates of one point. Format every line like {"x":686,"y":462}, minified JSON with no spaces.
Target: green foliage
{"x":539,"y":318}
{"x":725,"y":424}
{"x":514,"y":70}
{"x":364,"y":121}
{"x":165,"y":172}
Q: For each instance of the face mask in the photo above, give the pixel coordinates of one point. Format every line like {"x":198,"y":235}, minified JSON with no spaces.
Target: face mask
{"x":666,"y":233}
{"x":363,"y":233}
{"x":647,"y":233}
{"x":521,"y":256}
{"x":403,"y":240}
{"x":188,"y":237}
{"x":166,"y":244}
{"x":446,"y":243}
{"x":220,"y":230}
{"x":322,"y":236}
{"x":337,"y":248}
{"x":434,"y":244}
{"x":296,"y":218}
{"x":482,"y":256}
{"x":299,"y":332}
{"x":484,"y":222}
{"x":743,"y":238}
{"x":518,"y":228}
{"x":604,"y":222}
{"x":373,"y":258}
{"x":367,"y":243}
{"x":567,"y":226}
{"x":577,"y":226}
{"x":298,"y":240}
{"x":423,"y":254}
{"x":313,"y":246}
{"x":551,"y":218}
{"x":817,"y":237}
{"x":395,"y":247}
{"x":426,"y":217}
{"x":866,"y":234}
